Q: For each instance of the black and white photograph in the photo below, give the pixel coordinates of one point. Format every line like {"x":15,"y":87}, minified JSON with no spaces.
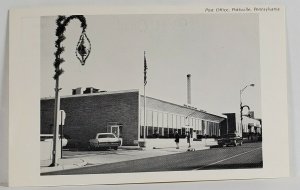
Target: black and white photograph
{"x":128,"y":93}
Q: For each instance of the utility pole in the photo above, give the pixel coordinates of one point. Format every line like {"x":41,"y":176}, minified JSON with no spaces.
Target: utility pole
{"x":241,"y":105}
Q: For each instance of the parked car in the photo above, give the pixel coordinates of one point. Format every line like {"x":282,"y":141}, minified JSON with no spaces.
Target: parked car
{"x":49,"y":137}
{"x":104,"y":141}
{"x":230,"y":139}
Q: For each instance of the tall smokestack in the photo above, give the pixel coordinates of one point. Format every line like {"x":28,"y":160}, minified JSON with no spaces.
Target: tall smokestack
{"x":189,"y":101}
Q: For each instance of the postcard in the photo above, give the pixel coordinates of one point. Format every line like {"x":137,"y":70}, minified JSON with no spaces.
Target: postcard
{"x":114,"y":95}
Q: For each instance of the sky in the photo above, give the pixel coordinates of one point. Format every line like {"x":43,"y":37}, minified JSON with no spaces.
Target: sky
{"x":220,"y":51}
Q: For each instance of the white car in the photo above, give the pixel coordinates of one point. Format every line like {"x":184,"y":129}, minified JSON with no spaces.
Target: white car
{"x":104,"y":141}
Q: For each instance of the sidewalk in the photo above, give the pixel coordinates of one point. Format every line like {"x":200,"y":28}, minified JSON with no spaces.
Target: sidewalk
{"x":77,"y":159}
{"x":63,"y":164}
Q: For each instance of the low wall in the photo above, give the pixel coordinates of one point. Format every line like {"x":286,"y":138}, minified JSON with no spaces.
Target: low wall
{"x":170,"y":143}
{"x":46,"y":150}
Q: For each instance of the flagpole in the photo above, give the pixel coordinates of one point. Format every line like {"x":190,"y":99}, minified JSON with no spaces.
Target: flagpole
{"x":145,"y":113}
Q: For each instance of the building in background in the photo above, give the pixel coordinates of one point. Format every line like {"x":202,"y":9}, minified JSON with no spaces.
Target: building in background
{"x":251,"y":126}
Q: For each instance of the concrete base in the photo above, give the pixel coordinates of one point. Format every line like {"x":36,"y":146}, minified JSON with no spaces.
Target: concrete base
{"x":46,"y":150}
{"x":170,"y":143}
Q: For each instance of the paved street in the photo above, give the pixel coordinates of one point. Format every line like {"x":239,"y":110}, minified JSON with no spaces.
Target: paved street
{"x":248,"y":155}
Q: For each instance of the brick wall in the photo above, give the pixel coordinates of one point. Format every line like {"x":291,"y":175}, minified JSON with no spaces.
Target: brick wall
{"x":87,"y":115}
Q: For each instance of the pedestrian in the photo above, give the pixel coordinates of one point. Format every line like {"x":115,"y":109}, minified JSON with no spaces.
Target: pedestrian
{"x":188,"y":138}
{"x":177,"y":139}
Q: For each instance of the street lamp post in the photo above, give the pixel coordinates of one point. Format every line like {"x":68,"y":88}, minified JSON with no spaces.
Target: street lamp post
{"x":187,"y":118}
{"x":83,"y":50}
{"x":243,"y":106}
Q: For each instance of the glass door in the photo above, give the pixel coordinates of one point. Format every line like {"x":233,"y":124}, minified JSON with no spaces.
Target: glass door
{"x":115,"y":130}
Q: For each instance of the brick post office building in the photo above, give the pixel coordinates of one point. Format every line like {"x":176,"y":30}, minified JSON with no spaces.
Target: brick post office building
{"x":122,"y":113}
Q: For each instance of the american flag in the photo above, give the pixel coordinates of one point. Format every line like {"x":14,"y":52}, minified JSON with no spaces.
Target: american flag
{"x":145,"y":69}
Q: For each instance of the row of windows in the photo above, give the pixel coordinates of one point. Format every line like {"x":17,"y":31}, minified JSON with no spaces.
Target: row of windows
{"x":212,"y":129}
{"x":170,"y":120}
{"x":162,"y":124}
{"x":160,"y":132}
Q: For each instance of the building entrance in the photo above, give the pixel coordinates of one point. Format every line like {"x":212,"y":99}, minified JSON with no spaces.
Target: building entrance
{"x":115,"y":128}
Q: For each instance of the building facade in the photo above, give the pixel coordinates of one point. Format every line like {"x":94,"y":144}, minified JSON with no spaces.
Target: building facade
{"x":122,"y":113}
{"x":164,"y":118}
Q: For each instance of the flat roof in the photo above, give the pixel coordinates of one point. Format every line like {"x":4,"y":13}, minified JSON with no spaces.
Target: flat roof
{"x":183,"y":109}
{"x":93,"y":94}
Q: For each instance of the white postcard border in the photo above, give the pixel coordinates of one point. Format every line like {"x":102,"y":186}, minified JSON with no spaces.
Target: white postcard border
{"x":24,"y":98}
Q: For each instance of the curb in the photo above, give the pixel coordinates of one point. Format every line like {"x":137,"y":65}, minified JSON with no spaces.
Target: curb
{"x":130,"y":148}
{"x":187,"y":149}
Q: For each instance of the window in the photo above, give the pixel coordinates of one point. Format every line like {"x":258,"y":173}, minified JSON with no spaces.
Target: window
{"x":155,"y":115}
{"x":210,"y":124}
{"x":160,"y":119}
{"x":142,"y":131}
{"x":203,"y":127}
{"x":191,"y":133}
{"x":178,"y":122}
{"x":166,"y":132}
{"x":187,"y":121}
{"x":179,"y":131}
{"x":106,"y":136}
{"x":171,"y":133}
{"x":170,"y":121}
{"x":149,"y":118}
{"x":165,"y":120}
{"x":183,"y":131}
{"x":182,"y":120}
{"x":208,"y":128}
{"x":142,"y":117}
{"x":174,"y":121}
{"x":149,"y":131}
{"x":218,"y":129}
{"x":160,"y":131}
{"x":156,"y":132}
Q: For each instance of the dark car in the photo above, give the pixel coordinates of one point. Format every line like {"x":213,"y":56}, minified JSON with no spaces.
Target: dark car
{"x":230,"y":139}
